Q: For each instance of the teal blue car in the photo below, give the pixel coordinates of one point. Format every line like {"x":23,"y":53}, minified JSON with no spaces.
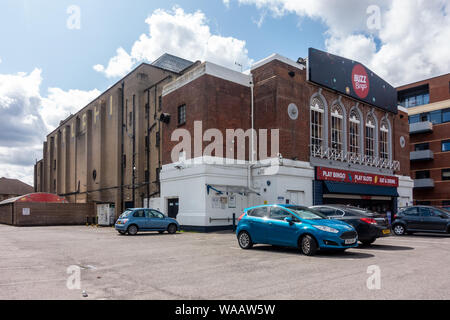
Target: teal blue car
{"x":294,"y":226}
{"x":136,"y":220}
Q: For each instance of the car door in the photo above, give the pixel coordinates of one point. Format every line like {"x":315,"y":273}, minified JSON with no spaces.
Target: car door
{"x":432,"y":220}
{"x":140,"y":219}
{"x":257,"y":221}
{"x":280,"y":232}
{"x":157,"y":220}
{"x":412,"y":219}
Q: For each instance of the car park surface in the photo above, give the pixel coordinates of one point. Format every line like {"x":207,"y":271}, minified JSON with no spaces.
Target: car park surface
{"x":35,"y":263}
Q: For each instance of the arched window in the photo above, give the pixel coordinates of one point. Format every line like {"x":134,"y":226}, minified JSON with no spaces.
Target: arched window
{"x":355,"y":123}
{"x":384,"y":140}
{"x":337,"y":124}
{"x":317,"y":119}
{"x":370,"y":136}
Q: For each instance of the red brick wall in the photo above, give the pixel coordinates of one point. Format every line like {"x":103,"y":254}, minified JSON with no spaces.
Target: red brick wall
{"x":441,"y":191}
{"x":226,"y":105}
{"x":217,"y":103}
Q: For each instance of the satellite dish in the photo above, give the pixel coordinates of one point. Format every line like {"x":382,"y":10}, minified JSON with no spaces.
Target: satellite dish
{"x":293,"y":111}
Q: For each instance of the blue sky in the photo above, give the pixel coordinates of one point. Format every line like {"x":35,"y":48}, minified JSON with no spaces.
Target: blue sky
{"x":48,"y":71}
{"x":34,"y":34}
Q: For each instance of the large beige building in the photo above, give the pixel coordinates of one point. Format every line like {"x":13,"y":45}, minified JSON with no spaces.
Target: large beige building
{"x":109,"y":152}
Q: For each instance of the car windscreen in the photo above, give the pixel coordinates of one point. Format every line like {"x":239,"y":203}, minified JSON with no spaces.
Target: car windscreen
{"x":125,"y":214}
{"x":307,"y":214}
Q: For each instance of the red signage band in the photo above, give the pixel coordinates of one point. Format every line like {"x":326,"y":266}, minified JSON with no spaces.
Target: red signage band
{"x":329,"y":174}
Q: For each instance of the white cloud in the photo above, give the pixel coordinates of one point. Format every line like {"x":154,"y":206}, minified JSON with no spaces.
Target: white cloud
{"x":179,"y":33}
{"x":60,"y":104}
{"x":412,"y":41}
{"x":26,"y":117}
{"x":118,"y":65}
{"x":1,"y":60}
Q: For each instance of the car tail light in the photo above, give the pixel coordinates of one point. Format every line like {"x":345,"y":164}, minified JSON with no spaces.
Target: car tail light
{"x":242,"y":215}
{"x":395,"y":216}
{"x":369,"y":220}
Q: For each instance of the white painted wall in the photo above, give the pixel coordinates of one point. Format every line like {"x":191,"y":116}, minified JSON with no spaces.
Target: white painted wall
{"x":287,"y":180}
{"x":405,"y":191}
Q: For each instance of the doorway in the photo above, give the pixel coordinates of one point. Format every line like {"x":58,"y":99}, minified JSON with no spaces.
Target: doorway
{"x":173,"y":206}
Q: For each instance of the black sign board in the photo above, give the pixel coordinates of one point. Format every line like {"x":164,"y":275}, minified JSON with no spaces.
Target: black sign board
{"x":351,"y":78}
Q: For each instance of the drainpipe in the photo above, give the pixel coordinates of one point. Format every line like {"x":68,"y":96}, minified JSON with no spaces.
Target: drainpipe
{"x":252,"y":139}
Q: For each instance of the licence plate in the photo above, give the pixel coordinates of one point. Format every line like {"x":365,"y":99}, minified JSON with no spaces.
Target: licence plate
{"x":350,"y":241}
{"x":386,"y":231}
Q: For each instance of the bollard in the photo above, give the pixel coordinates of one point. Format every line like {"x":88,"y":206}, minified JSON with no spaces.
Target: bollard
{"x":234,"y":222}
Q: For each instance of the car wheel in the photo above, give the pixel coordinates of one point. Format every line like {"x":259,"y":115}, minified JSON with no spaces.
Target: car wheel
{"x":308,"y":245}
{"x":245,"y":241}
{"x":399,"y":229}
{"x":368,"y":242}
{"x":132,"y":230}
{"x":172,"y":228}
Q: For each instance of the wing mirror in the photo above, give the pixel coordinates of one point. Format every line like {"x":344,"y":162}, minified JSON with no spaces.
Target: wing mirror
{"x":289,"y":220}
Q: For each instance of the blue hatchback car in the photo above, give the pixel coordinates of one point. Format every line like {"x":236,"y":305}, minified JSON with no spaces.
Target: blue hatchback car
{"x":134,"y":220}
{"x":294,"y":226}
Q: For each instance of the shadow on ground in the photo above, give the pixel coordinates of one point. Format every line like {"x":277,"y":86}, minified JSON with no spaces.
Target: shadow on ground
{"x":349,"y":254}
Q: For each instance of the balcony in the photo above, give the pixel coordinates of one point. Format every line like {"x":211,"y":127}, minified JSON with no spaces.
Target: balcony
{"x":421,"y":155}
{"x":423,"y":183}
{"x":421,"y":127}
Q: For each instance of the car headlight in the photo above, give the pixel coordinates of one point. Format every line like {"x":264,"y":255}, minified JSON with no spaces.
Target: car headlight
{"x":327,"y":229}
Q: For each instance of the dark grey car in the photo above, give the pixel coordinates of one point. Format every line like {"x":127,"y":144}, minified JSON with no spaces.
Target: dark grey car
{"x":421,"y":219}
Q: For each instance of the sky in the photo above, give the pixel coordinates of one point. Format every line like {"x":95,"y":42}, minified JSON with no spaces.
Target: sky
{"x":57,"y":56}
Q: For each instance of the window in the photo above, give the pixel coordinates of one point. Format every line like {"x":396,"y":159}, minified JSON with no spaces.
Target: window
{"x":384,"y":140}
{"x":446,"y":115}
{"x":327,"y":211}
{"x":411,"y":212}
{"x":445,"y":145}
{"x":414,"y":119}
{"x":182,"y":114}
{"x":422,"y":146}
{"x":336,"y":128}
{"x":423,"y":174}
{"x":436,"y":116}
{"x":370,"y":136}
{"x":317,"y":115}
{"x":414,"y":96}
{"x":54,"y":165}
{"x":156,"y":214}
{"x":139,"y":214}
{"x":446,"y":203}
{"x":258,"y":212}
{"x":424,"y":117}
{"x":278,"y":213}
{"x":355,"y":123}
{"x":445,"y":174}
{"x":426,"y":212}
{"x":160,"y":103}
